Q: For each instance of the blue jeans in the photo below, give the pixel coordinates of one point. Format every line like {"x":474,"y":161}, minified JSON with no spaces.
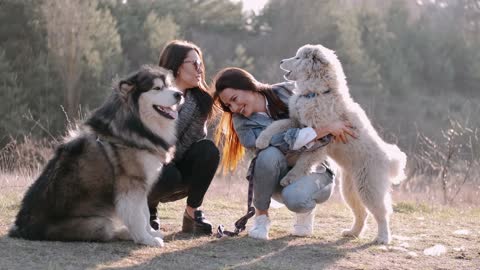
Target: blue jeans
{"x":300,"y":196}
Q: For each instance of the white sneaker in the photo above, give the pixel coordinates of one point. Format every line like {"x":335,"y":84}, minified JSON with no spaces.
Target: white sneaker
{"x":304,"y":224}
{"x":261,"y":226}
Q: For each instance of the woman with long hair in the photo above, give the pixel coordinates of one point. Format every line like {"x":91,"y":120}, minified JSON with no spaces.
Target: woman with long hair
{"x":196,"y":158}
{"x":248,"y":108}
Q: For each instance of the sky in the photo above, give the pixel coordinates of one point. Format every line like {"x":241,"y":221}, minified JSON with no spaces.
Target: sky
{"x":254,"y":5}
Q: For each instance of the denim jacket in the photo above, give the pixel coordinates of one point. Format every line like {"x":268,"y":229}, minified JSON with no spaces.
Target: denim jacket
{"x":249,"y":128}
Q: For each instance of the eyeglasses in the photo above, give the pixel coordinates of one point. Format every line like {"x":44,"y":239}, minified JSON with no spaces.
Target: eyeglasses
{"x":197,"y":64}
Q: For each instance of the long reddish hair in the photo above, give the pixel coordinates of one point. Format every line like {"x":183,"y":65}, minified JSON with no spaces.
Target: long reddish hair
{"x":225,"y":135}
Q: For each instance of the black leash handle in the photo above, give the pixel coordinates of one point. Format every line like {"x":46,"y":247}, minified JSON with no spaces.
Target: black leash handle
{"x":241,"y":223}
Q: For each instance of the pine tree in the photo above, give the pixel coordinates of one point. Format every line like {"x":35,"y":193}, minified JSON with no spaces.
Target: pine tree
{"x":159,"y":31}
{"x":81,"y":38}
{"x":13,"y":101}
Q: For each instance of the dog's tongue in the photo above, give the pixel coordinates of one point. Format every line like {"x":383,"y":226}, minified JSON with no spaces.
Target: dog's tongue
{"x":172,"y":113}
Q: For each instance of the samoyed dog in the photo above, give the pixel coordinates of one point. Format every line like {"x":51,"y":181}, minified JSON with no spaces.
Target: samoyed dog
{"x":369,"y":164}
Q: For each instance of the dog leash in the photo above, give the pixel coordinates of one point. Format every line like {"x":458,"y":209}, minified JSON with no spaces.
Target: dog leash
{"x":241,"y":223}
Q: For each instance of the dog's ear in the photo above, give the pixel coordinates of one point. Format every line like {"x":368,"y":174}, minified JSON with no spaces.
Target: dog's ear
{"x":318,"y":56}
{"x":125,"y":86}
{"x":169,"y":78}
{"x":317,"y":62}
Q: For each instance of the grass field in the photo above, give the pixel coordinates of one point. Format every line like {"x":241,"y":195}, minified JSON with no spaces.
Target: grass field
{"x":416,"y":227}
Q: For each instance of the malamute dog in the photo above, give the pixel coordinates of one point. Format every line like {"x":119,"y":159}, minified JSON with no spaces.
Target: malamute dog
{"x":102,"y":173}
{"x":369,"y":164}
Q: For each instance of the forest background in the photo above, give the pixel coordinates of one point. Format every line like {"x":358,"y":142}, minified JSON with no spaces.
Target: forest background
{"x":414,"y":66}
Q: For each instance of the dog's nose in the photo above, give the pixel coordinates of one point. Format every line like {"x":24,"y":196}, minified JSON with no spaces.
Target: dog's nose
{"x":281,"y":62}
{"x":178,"y":95}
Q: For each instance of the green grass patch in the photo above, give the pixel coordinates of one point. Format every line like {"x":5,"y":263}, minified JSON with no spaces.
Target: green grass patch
{"x":411,"y":207}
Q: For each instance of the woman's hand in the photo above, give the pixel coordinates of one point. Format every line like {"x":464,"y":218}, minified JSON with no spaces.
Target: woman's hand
{"x":340,"y":130}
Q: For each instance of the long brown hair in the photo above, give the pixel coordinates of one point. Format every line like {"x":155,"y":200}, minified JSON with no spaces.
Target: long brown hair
{"x":239,"y":79}
{"x":172,"y":57}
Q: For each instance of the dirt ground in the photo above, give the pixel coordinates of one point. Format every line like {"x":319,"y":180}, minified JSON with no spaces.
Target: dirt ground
{"x":416,"y":228}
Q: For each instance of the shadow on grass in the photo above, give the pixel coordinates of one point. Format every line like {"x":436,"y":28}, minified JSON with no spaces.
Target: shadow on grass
{"x":25,"y":254}
{"x":247,"y":253}
{"x":208,"y":253}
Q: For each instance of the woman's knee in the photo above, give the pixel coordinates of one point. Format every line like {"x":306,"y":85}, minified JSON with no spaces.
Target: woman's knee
{"x":168,"y":187}
{"x":269,"y":159}
{"x":206,"y":150}
{"x":302,"y":195}
{"x":297,"y":202}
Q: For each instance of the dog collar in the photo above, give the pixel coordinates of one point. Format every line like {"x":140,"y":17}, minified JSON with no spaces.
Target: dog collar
{"x":313,"y":94}
{"x":309,"y":95}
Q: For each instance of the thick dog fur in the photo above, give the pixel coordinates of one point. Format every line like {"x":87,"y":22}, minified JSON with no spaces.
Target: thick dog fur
{"x":369,"y":165}
{"x":100,"y":176}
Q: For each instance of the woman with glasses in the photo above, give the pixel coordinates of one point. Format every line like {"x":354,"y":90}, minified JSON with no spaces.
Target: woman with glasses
{"x":196,"y":158}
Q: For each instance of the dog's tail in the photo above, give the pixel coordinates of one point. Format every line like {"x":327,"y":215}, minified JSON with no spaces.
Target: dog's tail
{"x":19,"y":232}
{"x":30,"y":232}
{"x":398,"y":161}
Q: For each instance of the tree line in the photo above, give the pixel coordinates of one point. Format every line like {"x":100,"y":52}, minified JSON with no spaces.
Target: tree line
{"x":413,"y":65}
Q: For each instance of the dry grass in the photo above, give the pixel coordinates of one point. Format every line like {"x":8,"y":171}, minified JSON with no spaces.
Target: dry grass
{"x":419,"y":222}
{"x":415,"y":227}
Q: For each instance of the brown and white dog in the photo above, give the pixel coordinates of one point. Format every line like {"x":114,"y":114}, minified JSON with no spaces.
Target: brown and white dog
{"x":95,"y":187}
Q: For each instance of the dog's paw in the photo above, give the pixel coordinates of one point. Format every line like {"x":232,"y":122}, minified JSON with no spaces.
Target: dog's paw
{"x":156,"y":233}
{"x":262,"y":142}
{"x":382,"y":240}
{"x":350,"y":233}
{"x":152,"y":241}
{"x":285,"y":181}
{"x":288,"y":179}
{"x":158,"y":242}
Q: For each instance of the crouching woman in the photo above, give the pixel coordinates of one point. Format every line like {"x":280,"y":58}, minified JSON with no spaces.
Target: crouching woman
{"x":248,"y":108}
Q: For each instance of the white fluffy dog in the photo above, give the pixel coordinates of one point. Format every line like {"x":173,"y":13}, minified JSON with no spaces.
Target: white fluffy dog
{"x":369,"y":164}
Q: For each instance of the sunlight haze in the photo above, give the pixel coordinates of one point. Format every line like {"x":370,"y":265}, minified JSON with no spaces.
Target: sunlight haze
{"x":255,"y":5}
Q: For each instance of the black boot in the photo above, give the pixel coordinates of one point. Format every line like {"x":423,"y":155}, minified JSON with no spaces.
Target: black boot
{"x":196,"y":225}
{"x":154,"y":220}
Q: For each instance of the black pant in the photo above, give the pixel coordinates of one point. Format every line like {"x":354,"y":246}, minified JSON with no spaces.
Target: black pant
{"x":191,"y":176}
